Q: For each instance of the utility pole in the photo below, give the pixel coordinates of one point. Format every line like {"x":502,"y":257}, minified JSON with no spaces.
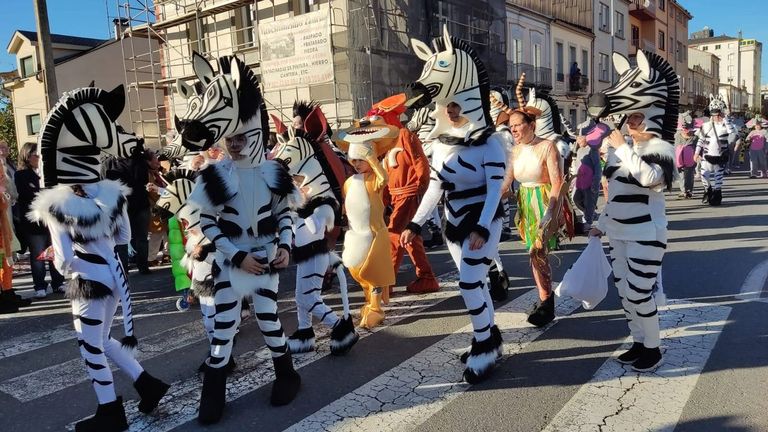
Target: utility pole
{"x":46,"y":52}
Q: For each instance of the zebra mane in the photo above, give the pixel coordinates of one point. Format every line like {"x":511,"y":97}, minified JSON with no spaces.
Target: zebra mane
{"x":248,"y":92}
{"x":557,"y":125}
{"x":482,"y":73}
{"x":671,"y":105}
{"x":180,"y":174}
{"x":60,"y":116}
{"x":303,"y":108}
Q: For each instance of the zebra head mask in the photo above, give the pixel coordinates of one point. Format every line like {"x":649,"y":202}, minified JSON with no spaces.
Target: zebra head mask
{"x":192,"y":94}
{"x":296,"y":147}
{"x":78,"y":128}
{"x":548,"y":124}
{"x":651,"y":88}
{"x":453,"y":73}
{"x":717,"y":104}
{"x":231,"y":104}
{"x":180,"y":183}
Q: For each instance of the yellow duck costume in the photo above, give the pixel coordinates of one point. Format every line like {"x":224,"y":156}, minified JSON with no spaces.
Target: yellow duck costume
{"x":366,"y":243}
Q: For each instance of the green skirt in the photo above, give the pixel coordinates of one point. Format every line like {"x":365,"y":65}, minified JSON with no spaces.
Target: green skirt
{"x":532,"y":202}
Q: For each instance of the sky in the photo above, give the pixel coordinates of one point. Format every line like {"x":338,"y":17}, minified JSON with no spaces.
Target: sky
{"x":93,"y":18}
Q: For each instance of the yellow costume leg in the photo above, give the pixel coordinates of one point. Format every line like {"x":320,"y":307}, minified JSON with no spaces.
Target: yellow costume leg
{"x":374,"y":313}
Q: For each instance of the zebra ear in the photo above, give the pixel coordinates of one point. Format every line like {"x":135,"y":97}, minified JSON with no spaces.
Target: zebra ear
{"x":291,"y":133}
{"x":234,"y":72}
{"x":531,"y":94}
{"x":185,"y":90}
{"x":421,"y":49}
{"x":115,"y":103}
{"x":643,"y":65}
{"x":447,"y":38}
{"x":316,"y":124}
{"x":620,"y":63}
{"x":92,"y":83}
{"x":202,"y":68}
{"x":280,"y":127}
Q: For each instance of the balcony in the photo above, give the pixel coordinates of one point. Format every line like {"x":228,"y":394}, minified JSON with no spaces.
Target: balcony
{"x":577,"y":84}
{"x":643,"y":10}
{"x":539,"y":77}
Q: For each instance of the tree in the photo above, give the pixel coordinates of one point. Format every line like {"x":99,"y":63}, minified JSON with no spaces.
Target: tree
{"x":7,"y":126}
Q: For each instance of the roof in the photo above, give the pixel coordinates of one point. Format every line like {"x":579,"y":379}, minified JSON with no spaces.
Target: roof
{"x":711,"y":40}
{"x":64,"y":39}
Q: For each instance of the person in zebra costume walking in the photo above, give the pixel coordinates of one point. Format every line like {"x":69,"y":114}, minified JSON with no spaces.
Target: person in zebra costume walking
{"x":87,"y":217}
{"x":467,"y":169}
{"x":317,"y":216}
{"x":712,"y":150}
{"x":244,"y":211}
{"x":634,"y":218}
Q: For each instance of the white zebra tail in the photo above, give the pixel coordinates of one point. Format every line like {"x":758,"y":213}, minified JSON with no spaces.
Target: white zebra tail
{"x":338,"y":267}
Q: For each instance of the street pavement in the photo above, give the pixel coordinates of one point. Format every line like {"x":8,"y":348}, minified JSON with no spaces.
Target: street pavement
{"x":406,"y":374}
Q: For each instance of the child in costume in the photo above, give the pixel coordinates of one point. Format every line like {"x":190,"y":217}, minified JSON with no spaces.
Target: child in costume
{"x":685,"y":147}
{"x":87,"y":217}
{"x":366,"y":243}
{"x":713,"y":152}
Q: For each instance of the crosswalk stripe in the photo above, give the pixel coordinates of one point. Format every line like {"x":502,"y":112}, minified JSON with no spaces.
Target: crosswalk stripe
{"x":254,"y":368}
{"x":619,"y":399}
{"x":36,"y":340}
{"x":404,"y":397}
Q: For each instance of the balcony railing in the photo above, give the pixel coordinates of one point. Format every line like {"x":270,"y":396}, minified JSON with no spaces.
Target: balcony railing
{"x":643,"y":9}
{"x":536,"y":76}
{"x":578,"y":84}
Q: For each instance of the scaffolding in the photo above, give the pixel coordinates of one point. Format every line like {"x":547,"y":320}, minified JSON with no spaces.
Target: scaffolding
{"x":370,"y":42}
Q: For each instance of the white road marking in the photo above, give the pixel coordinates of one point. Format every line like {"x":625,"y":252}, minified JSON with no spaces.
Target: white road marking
{"x":753,"y":285}
{"x":254,"y":368}
{"x":402,"y":398}
{"x":619,"y":399}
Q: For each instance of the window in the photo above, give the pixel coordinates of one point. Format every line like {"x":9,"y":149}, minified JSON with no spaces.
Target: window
{"x":27,"y":67}
{"x":33,"y":124}
{"x":584,"y":63}
{"x":680,"y":52}
{"x":244,"y":25}
{"x":671,"y":45}
{"x":705,"y":48}
{"x":604,"y":17}
{"x":603,"y":67}
{"x":662,"y":40}
{"x":559,"y":62}
{"x":635,"y":36}
{"x":717,"y":47}
{"x":516,"y":52}
{"x":662,"y":4}
{"x":572,"y":115}
{"x":619,"y":26}
{"x":536,"y":55}
{"x":571,"y":55}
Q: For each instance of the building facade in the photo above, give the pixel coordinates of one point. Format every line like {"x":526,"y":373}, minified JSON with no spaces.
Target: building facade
{"x":703,"y":79}
{"x":660,"y":26}
{"x":740,"y":70}
{"x":611,"y":18}
{"x":78,"y":62}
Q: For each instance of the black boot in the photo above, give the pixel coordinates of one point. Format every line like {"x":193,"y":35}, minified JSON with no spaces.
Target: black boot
{"x":499,"y":285}
{"x":650,"y":359}
{"x":230,"y":367}
{"x":150,"y":390}
{"x":481,"y":360}
{"x":705,"y":196}
{"x":7,"y":304}
{"x":213,"y":396}
{"x":15,"y":299}
{"x":287,"y":381}
{"x":496,"y":337}
{"x":631,"y":355}
{"x":544,"y":312}
{"x":109,"y":417}
{"x":716,"y":197}
{"x":302,"y":341}
{"x":343,"y":336}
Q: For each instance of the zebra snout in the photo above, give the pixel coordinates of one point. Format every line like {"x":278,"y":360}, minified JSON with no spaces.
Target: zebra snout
{"x":597,"y":104}
{"x":420,"y":94}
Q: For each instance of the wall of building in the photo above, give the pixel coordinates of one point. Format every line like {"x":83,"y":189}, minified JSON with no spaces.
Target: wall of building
{"x":529,"y":47}
{"x":610,"y":41}
{"x":572,"y":104}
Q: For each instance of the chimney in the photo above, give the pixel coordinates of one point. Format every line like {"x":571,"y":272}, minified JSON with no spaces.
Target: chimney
{"x":120,"y":25}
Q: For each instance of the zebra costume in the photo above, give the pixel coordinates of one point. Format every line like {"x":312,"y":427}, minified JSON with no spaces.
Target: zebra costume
{"x":317,"y":216}
{"x":469,"y":173}
{"x":634,"y":217}
{"x":87,"y":217}
{"x":244,"y":211}
{"x":713,"y":147}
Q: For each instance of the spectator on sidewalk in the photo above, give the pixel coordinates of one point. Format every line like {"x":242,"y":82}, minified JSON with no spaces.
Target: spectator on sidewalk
{"x":685,"y":147}
{"x":35,"y":236}
{"x":757,"y":149}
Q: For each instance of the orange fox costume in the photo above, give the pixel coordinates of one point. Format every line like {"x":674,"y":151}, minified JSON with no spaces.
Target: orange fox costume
{"x":365,"y":243}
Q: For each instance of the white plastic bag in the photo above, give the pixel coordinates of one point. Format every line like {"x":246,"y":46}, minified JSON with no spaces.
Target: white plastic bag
{"x":587,"y":279}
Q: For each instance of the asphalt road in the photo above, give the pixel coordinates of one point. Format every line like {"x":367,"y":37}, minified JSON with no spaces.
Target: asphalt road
{"x":406,"y":375}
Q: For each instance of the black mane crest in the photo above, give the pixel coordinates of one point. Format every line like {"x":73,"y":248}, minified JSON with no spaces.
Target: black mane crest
{"x":671,"y":106}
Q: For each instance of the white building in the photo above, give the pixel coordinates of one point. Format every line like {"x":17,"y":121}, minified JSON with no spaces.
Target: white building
{"x":612,"y":34}
{"x":529,"y":45}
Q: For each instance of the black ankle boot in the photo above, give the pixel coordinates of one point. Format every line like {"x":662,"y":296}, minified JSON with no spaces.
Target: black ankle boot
{"x":343,"y":336}
{"x":716,"y":197}
{"x":544,"y":312}
{"x":499,"y":285}
{"x":705,"y":195}
{"x":631,"y":355}
{"x":213,"y":396}
{"x":481,"y":360}
{"x":109,"y":417}
{"x":150,"y":390}
{"x":650,"y":359}
{"x":287,"y":381}
{"x":498,"y":342}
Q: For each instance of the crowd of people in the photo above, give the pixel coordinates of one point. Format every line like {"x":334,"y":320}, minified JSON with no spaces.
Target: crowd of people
{"x":238,"y":208}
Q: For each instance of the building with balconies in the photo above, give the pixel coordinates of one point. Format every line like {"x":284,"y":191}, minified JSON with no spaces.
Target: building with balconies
{"x":660,"y":26}
{"x":702,"y":79}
